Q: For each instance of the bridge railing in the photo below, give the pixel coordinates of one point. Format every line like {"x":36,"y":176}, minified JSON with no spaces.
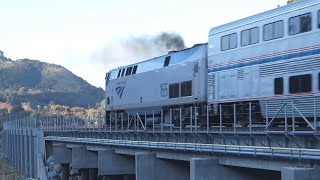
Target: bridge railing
{"x":293,"y":115}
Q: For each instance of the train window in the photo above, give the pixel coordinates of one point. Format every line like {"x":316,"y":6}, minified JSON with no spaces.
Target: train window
{"x":128,"y":72}
{"x":119,"y":73}
{"x":174,"y":90}
{"x":278,"y":86}
{"x":108,"y":100}
{"x":250,"y":36}
{"x":273,"y":31}
{"x":186,"y":88}
{"x":122,"y":74}
{"x":299,"y":84}
{"x":167,"y":61}
{"x":319,"y":19}
{"x":134,"y":71}
{"x":229,"y":42}
{"x":300,"y":24}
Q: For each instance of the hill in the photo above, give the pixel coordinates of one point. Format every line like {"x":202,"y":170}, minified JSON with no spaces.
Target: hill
{"x":40,"y":83}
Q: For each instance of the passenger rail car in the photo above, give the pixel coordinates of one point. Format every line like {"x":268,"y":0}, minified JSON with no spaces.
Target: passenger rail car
{"x":273,"y":55}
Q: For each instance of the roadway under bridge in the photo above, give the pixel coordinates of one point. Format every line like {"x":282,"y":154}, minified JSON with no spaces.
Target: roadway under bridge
{"x":141,"y":150}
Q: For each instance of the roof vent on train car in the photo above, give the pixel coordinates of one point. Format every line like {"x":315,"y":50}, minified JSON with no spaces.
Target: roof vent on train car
{"x":171,"y":52}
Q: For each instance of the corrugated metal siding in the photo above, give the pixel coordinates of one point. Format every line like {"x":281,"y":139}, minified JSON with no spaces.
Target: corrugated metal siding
{"x":291,"y":66}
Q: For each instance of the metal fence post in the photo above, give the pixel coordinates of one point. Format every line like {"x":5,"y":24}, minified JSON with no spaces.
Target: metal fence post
{"x":191,"y":119}
{"x":234,"y":118}
{"x":250,"y":118}
{"x":180,"y":119}
{"x":208,"y":119}
{"x":220,"y":118}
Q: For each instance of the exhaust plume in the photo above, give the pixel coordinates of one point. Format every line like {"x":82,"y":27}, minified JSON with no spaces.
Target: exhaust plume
{"x":140,"y":48}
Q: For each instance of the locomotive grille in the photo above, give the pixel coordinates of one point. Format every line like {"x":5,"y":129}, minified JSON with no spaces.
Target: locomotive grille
{"x":291,"y":66}
{"x":211,"y":85}
{"x":240,"y":74}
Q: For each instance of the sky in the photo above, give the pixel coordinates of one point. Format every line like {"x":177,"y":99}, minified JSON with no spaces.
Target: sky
{"x":75,"y":33}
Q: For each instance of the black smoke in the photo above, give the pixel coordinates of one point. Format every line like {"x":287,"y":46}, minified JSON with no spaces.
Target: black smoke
{"x":139,"y":48}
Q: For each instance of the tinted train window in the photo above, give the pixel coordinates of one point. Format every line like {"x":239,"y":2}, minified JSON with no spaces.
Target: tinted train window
{"x":229,"y":42}
{"x":319,"y":19}
{"x":278,"y":86}
{"x":119,"y":73}
{"x":300,"y":24}
{"x":186,"y":88}
{"x":128,"y":72}
{"x":273,"y":30}
{"x":174,"y":90}
{"x":167,"y":61}
{"x":299,"y":84}
{"x":108,"y":100}
{"x":122,"y":74}
{"x":134,"y":71}
{"x":250,"y":36}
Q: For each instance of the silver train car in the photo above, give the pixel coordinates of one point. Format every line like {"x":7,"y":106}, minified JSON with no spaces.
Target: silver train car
{"x":270,"y":60}
{"x":175,"y":79}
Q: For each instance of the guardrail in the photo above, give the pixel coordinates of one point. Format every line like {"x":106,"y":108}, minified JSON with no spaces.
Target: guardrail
{"x":296,"y":153}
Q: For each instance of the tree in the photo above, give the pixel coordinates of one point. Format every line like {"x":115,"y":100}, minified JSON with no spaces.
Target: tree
{"x":291,"y":1}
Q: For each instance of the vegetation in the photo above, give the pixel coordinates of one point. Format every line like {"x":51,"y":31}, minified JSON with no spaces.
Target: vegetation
{"x":40,"y":83}
{"x":292,"y":1}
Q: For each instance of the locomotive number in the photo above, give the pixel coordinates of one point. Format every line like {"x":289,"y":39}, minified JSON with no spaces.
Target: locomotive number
{"x":164,"y":90}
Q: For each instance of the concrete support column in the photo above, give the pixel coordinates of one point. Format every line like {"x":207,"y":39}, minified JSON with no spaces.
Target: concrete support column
{"x":26,"y":152}
{"x":111,"y":163}
{"x":65,"y":172}
{"x":295,"y":173}
{"x":93,"y":174}
{"x":84,"y":174}
{"x":148,"y":166}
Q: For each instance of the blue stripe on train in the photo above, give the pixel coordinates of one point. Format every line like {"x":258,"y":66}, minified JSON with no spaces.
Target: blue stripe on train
{"x":266,"y":60}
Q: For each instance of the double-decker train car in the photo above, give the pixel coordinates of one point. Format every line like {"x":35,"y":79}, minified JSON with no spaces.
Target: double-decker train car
{"x":175,"y":79}
{"x":274,"y":55}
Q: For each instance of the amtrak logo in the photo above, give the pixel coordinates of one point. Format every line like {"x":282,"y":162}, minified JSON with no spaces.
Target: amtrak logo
{"x":119,"y":90}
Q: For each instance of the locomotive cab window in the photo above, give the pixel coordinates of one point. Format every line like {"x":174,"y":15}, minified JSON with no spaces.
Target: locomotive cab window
{"x":134,"y":71}
{"x":174,"y":90}
{"x":122,"y":73}
{"x":229,"y":42}
{"x":273,"y":31}
{"x":128,"y":72}
{"x":186,"y":88}
{"x":300,"y":24}
{"x":167,"y":61}
{"x":300,"y":84}
{"x":119,"y":73}
{"x":278,"y":86}
{"x":250,"y":36}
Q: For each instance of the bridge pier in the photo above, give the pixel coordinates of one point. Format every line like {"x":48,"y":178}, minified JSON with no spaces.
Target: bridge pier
{"x":148,"y":166}
{"x":113,"y":164}
{"x":93,"y":174}
{"x":84,"y":174}
{"x":297,"y":173}
{"x":86,"y":161}
{"x":65,"y":173}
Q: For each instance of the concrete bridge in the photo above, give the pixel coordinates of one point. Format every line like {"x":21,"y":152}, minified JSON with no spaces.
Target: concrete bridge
{"x":118,"y":150}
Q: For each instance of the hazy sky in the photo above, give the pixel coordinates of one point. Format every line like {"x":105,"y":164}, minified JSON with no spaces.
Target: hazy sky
{"x":74,"y":33}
